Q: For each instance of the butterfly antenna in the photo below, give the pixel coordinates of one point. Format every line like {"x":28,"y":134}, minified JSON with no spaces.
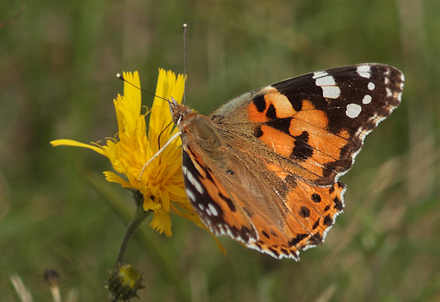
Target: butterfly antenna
{"x":121,"y":77}
{"x":184,"y":61}
{"x":160,"y":134}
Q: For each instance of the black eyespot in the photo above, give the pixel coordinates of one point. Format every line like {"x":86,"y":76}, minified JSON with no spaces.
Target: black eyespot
{"x":316,"y":198}
{"x":258,"y":132}
{"x":304,"y":212}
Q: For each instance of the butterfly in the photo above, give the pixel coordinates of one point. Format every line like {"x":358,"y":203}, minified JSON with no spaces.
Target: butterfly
{"x":264,"y":167}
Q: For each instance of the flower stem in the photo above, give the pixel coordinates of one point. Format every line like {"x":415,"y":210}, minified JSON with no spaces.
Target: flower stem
{"x":160,"y":258}
{"x":135,"y":222}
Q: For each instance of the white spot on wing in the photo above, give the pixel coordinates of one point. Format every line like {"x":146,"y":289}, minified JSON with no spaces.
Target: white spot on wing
{"x":213,"y":209}
{"x":190,"y":195}
{"x":319,"y":74}
{"x":329,"y":88}
{"x":371,"y":86}
{"x":325,"y":81}
{"x":221,"y":230}
{"x":364,"y":71}
{"x":194,"y":182}
{"x":389,"y":92}
{"x":367,"y":99}
{"x":198,"y":187}
{"x":353,"y":110}
{"x":190,"y":177}
{"x":331,"y":92}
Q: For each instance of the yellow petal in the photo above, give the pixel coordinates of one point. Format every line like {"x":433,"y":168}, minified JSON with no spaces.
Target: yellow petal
{"x":112,"y":177}
{"x":167,"y":86}
{"x":132,"y":94}
{"x":165,"y":199}
{"x":150,"y":205}
{"x":72,"y":143}
{"x":161,"y":222}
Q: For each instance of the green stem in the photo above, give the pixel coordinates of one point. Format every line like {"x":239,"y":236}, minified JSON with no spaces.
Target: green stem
{"x":160,"y":257}
{"x":135,"y":222}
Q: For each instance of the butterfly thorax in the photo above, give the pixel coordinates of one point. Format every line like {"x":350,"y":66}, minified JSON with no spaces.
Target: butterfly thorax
{"x":197,"y":128}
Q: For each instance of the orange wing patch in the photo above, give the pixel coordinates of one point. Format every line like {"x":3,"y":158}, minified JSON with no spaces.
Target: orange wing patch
{"x":302,"y":136}
{"x":311,"y":213}
{"x":263,"y":109}
{"x":315,"y":122}
{"x":325,"y":146}
{"x":278,"y":141}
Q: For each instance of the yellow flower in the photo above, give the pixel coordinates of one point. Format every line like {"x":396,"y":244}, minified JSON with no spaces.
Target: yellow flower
{"x":161,"y":182}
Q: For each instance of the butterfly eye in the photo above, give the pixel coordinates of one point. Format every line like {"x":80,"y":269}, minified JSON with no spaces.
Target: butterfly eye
{"x":179,"y":119}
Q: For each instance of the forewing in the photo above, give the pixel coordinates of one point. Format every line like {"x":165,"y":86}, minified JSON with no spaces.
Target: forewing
{"x":317,"y":122}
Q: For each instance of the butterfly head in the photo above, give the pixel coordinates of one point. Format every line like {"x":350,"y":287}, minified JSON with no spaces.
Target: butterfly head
{"x":178,"y":112}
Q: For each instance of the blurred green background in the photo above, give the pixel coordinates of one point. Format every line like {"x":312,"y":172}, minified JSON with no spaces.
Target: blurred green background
{"x":58,"y":63}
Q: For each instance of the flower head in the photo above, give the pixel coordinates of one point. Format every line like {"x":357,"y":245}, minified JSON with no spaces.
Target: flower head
{"x":161,"y":181}
{"x":124,"y":282}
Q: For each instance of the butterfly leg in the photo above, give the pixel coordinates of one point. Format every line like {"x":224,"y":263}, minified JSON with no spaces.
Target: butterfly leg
{"x":158,"y":152}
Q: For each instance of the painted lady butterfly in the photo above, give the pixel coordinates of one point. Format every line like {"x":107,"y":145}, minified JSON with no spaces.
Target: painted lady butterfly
{"x":264,"y":168}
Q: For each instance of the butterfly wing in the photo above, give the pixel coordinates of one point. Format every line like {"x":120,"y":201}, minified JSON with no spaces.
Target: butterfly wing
{"x":240,"y":197}
{"x":320,"y":119}
{"x":271,"y":181}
